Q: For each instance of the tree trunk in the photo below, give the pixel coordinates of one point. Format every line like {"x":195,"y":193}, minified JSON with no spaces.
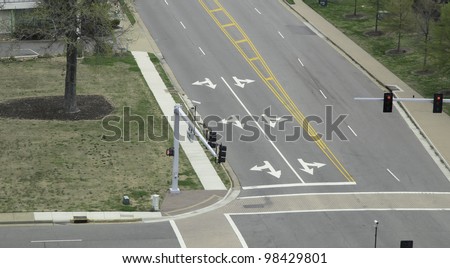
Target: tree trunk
{"x":425,"y":56}
{"x":376,"y":16}
{"x":70,"y":94}
{"x":400,"y":29}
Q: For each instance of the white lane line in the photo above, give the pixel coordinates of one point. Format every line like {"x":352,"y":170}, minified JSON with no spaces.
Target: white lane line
{"x":344,"y":193}
{"x":280,"y":34}
{"x":258,"y":11}
{"x":338,"y":210}
{"x":354,"y":133}
{"x":56,"y":241}
{"x":236,"y":231}
{"x":299,"y":60}
{"x":182,"y":24}
{"x":203,"y":52}
{"x":262,"y":131}
{"x":178,"y":234}
{"x":323,"y":94}
{"x":393,"y":175}
{"x":166,"y":2}
{"x":270,"y":186}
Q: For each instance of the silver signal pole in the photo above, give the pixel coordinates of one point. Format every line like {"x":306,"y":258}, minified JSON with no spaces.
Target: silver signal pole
{"x":402,"y":99}
{"x":176,"y":151}
{"x":176,"y":144}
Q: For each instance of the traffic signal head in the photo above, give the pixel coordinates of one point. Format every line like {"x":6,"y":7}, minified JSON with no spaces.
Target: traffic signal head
{"x":222,"y":154}
{"x":387,"y":102}
{"x":212,"y":139}
{"x":438,"y":101}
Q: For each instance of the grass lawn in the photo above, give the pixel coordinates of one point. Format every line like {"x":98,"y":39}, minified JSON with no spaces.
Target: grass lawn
{"x":65,"y":165}
{"x":403,"y":66}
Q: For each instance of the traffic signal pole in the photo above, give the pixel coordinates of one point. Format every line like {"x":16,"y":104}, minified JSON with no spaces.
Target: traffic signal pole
{"x":437,"y":101}
{"x":402,"y":99}
{"x":176,"y":150}
{"x":179,"y":114}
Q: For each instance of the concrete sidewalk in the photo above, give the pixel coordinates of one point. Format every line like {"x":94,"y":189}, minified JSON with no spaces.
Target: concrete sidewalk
{"x":194,"y":152}
{"x":432,"y":127}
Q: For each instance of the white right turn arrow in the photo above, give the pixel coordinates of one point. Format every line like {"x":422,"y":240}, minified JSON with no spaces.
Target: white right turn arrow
{"x":242,"y":82}
{"x":307,"y":166}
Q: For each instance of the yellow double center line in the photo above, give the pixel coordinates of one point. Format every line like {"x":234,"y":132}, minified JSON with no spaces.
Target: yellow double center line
{"x":269,"y":78}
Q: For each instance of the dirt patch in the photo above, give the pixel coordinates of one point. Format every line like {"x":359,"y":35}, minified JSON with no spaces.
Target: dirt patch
{"x":396,"y":52}
{"x":92,"y":107}
{"x":357,"y":16}
{"x":372,"y":33}
{"x":423,"y":72}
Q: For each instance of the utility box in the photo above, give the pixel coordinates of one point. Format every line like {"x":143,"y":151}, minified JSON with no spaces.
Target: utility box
{"x":155,"y":202}
{"x":406,"y":244}
{"x":125,"y":200}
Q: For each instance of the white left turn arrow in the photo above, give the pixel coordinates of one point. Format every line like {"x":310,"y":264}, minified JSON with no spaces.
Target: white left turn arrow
{"x":233,"y":119}
{"x":307,"y":166}
{"x":207,"y":83}
{"x":267,"y":165}
{"x":242,"y":82}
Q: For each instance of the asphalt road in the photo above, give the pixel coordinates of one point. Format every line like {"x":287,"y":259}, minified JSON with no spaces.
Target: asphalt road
{"x":297,"y":74}
{"x":345,"y":229}
{"x":145,"y":235}
{"x":239,"y":58}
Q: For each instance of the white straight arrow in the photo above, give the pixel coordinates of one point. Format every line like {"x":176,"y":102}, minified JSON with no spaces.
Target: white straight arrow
{"x":207,"y":83}
{"x":307,"y":166}
{"x":242,"y":82}
{"x":267,"y":165}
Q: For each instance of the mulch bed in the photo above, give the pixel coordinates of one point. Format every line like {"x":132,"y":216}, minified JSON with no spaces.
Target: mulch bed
{"x":92,"y":107}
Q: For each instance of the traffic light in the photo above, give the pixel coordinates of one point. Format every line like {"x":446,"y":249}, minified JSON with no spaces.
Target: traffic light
{"x":387,"y":102}
{"x":212,"y":139}
{"x":437,"y":103}
{"x":170,"y":152}
{"x":222,"y":154}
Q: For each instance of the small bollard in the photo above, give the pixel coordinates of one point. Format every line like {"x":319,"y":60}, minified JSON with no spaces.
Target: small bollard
{"x":155,"y":202}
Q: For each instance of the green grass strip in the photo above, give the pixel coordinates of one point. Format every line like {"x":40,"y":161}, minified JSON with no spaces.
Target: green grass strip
{"x":127,"y":11}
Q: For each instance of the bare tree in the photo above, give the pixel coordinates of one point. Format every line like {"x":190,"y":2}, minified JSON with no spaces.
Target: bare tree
{"x":75,"y":22}
{"x":441,"y":39}
{"x":399,"y":18}
{"x":426,"y":13}
{"x":378,"y":4}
